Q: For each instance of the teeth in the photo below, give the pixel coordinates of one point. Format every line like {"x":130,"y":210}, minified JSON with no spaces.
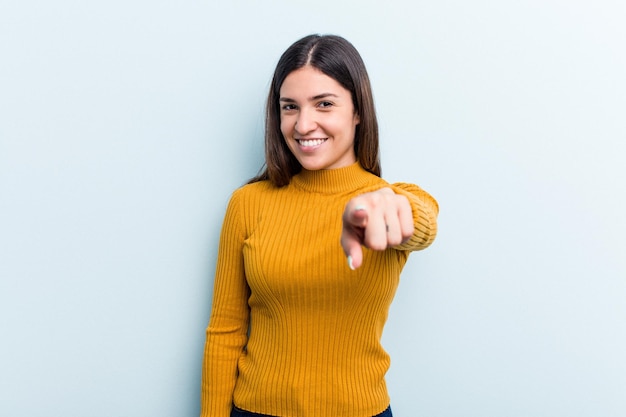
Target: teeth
{"x":311,"y":142}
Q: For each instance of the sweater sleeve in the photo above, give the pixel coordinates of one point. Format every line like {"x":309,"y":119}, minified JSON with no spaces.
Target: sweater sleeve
{"x":226,"y":335}
{"x":425,"y":211}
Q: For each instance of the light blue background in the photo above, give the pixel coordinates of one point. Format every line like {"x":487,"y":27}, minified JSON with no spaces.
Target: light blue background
{"x":125,"y":126}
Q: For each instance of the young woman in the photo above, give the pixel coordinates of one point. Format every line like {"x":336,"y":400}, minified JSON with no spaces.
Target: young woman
{"x":311,"y":252}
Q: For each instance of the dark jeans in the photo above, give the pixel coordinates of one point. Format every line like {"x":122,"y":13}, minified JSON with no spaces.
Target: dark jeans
{"x":236,"y":412}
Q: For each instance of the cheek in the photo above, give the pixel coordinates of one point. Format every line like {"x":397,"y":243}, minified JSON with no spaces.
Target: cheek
{"x":285,"y":127}
{"x":346,"y":124}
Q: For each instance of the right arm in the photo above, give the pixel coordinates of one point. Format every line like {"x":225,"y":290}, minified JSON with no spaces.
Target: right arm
{"x":226,"y":335}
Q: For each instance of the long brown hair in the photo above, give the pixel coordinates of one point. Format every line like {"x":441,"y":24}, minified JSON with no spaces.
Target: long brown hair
{"x":339,"y":59}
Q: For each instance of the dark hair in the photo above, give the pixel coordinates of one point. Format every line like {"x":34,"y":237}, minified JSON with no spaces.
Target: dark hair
{"x":337,"y":58}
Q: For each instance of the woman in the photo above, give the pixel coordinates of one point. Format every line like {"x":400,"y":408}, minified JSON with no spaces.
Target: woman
{"x":311,"y":252}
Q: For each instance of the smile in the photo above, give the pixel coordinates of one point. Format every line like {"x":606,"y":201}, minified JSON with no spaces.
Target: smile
{"x":310,"y":142}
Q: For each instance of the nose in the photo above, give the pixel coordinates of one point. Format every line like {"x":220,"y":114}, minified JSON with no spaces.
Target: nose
{"x":305,"y":122}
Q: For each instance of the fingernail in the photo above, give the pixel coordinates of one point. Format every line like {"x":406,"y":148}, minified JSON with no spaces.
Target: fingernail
{"x":350,"y":263}
{"x":359,"y":208}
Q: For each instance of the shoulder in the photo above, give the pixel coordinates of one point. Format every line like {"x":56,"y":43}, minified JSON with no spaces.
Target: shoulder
{"x":258,"y":187}
{"x":252,"y":194}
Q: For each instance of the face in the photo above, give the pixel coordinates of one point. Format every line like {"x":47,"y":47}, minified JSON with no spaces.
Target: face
{"x":317,"y":120}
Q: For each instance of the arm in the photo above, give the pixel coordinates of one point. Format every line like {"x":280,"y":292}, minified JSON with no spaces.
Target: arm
{"x":226,"y":334}
{"x":425,"y":210}
{"x":401,"y":216}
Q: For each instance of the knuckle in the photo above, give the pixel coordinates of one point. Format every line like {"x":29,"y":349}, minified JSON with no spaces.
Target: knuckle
{"x":401,"y":200}
{"x":375,"y":244}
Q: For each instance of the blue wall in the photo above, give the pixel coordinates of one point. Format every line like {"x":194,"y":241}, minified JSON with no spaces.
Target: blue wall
{"x":125,"y":126}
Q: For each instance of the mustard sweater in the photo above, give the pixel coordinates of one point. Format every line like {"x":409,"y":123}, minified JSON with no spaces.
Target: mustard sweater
{"x":293,"y":331}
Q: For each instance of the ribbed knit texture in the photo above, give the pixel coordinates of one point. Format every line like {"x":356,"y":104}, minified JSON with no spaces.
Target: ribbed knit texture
{"x":314,"y":325}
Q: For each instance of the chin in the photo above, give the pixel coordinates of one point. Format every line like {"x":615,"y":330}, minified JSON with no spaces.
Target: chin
{"x":312,"y":165}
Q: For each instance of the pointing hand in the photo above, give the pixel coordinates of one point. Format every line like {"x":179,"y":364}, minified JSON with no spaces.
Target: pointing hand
{"x":377,"y":220}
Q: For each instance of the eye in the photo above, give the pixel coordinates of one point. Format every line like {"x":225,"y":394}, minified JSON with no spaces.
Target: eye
{"x":288,"y":107}
{"x":325,"y":104}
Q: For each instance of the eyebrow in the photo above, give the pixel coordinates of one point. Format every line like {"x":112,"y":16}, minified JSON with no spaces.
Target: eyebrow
{"x":317,"y":97}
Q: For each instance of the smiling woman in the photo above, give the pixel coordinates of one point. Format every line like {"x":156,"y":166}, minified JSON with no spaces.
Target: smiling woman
{"x":318,"y":120}
{"x":295,"y":329}
{"x":337,"y":59}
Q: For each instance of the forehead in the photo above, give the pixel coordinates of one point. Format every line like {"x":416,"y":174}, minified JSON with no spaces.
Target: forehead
{"x":307,"y":82}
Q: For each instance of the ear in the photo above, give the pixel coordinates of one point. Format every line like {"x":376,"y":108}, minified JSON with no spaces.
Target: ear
{"x":357,"y":119}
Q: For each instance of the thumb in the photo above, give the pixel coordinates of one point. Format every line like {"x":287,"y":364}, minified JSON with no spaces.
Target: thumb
{"x":357,"y":217}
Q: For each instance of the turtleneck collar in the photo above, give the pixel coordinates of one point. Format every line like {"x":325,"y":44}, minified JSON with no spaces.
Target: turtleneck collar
{"x":332,"y":181}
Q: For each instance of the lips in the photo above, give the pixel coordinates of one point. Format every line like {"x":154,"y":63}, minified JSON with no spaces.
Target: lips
{"x":307,"y":143}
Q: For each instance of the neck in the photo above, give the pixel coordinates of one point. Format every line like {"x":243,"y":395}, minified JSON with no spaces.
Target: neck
{"x":331,"y":181}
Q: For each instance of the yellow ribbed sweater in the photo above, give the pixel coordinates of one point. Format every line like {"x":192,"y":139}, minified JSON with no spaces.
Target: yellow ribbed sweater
{"x":293,"y":331}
